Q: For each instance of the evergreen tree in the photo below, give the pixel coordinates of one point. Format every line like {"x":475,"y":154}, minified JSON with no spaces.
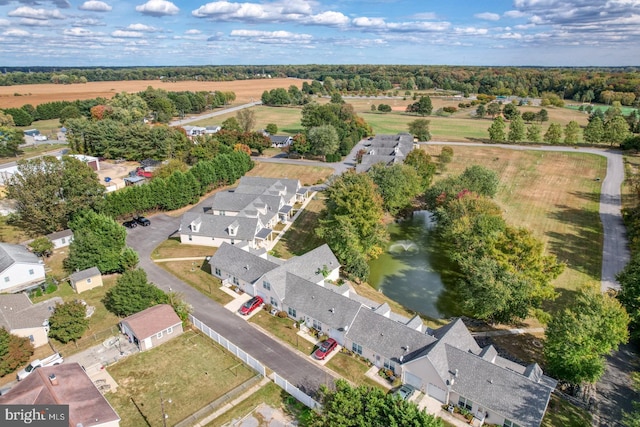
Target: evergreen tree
{"x":68,"y":321}
{"x":534,"y":133}
{"x":132,"y":293}
{"x":496,"y":130}
{"x":571,"y":133}
{"x":553,"y":135}
{"x":594,"y":132}
{"x":516,"y":129}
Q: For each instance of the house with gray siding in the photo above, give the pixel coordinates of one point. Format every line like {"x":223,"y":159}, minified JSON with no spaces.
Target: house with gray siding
{"x":21,"y":317}
{"x":20,"y":269}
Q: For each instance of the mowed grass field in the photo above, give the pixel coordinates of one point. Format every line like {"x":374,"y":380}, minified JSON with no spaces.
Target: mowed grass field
{"x":556,"y":196}
{"x":460,"y":126}
{"x":308,"y":175}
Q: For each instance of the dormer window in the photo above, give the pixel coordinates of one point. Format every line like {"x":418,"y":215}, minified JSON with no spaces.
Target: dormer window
{"x":195,"y":225}
{"x":233,"y":228}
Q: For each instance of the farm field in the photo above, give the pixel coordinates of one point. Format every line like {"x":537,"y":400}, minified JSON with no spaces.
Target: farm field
{"x":245,"y":90}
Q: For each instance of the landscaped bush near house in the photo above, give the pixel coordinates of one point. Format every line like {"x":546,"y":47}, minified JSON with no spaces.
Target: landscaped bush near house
{"x":51,"y":288}
{"x":267,"y":308}
{"x":282,"y":314}
{"x":332,"y":158}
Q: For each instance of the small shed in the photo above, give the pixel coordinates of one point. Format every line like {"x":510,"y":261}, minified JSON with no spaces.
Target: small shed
{"x":134,"y":180}
{"x":86,"y":279}
{"x":61,"y":239}
{"x":151,"y":327}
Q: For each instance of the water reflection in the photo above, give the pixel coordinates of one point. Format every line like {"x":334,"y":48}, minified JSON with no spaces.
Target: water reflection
{"x":414,"y":271}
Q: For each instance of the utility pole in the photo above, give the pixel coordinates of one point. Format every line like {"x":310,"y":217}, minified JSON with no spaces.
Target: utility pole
{"x":164,"y":415}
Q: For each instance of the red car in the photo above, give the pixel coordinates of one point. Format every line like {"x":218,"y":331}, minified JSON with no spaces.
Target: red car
{"x":325,"y":348}
{"x":251,"y":305}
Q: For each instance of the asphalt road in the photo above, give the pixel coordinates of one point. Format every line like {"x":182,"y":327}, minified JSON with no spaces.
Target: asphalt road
{"x":294,"y":367}
{"x":191,"y":119}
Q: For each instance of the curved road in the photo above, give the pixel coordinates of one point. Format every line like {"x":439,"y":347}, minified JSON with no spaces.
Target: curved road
{"x":213,"y":114}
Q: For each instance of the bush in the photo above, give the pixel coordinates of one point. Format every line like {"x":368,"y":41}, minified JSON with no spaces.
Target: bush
{"x":332,"y":158}
{"x":267,"y":308}
{"x":282,"y":314}
{"x":51,"y":288}
{"x":450,"y":110}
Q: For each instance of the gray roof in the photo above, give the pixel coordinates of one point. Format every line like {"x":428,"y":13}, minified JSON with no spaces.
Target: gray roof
{"x":383,"y":150}
{"x":85,"y":274}
{"x":60,"y":234}
{"x":231,"y":201}
{"x":218,"y":226}
{"x":322,"y":304}
{"x":17,"y":312}
{"x":306,"y":266}
{"x":387,"y":337}
{"x":10,"y":254}
{"x":240,"y":263}
{"x":512,"y":395}
{"x":279,"y":139}
{"x":369,"y":160}
{"x":259,"y":185}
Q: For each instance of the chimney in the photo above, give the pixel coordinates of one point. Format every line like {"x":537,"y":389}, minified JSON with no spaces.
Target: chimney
{"x":53,"y":379}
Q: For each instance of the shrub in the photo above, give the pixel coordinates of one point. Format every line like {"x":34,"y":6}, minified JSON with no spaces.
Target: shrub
{"x":282,"y":314}
{"x":267,"y":308}
{"x":450,"y":110}
{"x":332,"y":158}
{"x":51,"y":288}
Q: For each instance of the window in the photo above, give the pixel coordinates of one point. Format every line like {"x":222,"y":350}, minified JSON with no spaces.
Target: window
{"x":159,"y":335}
{"x":465,"y":403}
{"x":356,"y":348}
{"x":266,"y":285}
{"x":233,"y":242}
{"x":218,"y":272}
{"x":169,"y":330}
{"x":6,"y":279}
{"x":64,"y":240}
{"x":89,"y":280}
{"x":31,"y":338}
{"x":190,"y":238}
{"x":235,"y":281}
{"x":388,"y":364}
{"x":317,"y":325}
{"x":292,"y":312}
{"x":274,"y":302}
{"x":31,"y":272}
{"x":509,"y":423}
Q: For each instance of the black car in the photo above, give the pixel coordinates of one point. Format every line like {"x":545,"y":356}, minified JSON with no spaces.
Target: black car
{"x":142,"y":221}
{"x":130,"y":224}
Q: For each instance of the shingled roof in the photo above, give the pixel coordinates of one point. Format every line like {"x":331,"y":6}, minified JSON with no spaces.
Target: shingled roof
{"x":149,"y":322}
{"x":240,"y":263}
{"x":11,"y":254}
{"x":218,"y":226}
{"x":17,"y":311}
{"x":72,"y":386}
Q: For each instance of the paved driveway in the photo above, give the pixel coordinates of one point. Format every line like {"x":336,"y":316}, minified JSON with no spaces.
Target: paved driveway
{"x":292,"y":366}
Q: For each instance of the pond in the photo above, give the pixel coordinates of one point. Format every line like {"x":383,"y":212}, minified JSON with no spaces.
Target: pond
{"x":414,"y":271}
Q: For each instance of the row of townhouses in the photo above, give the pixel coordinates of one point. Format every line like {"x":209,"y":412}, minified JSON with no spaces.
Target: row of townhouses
{"x":446,"y":363}
{"x":245,"y":215}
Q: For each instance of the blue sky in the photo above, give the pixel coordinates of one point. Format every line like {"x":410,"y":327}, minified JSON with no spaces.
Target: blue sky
{"x":450,"y":32}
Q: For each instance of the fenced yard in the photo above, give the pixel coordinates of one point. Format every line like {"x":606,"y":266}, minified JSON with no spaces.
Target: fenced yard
{"x":190,"y":370}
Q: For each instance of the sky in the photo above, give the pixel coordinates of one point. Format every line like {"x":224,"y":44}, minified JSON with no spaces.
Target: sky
{"x":226,"y":32}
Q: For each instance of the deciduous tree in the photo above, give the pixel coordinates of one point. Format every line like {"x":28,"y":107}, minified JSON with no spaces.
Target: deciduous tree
{"x":48,"y":192}
{"x":517,"y":129}
{"x":421,"y":162}
{"x":496,"y":130}
{"x":246,"y":119}
{"x":553,"y":135}
{"x":423,"y":107}
{"x":68,"y":321}
{"x":133,"y":293}
{"x":15,"y":351}
{"x":420,"y":129}
{"x":42,"y":246}
{"x":571,"y":133}
{"x":398,"y":185}
{"x":323,"y":140}
{"x":579,"y":337}
{"x":534,"y":133}
{"x":347,"y":406}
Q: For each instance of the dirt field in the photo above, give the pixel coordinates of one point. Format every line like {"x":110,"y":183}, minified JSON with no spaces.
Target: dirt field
{"x":245,"y":90}
{"x":116,"y":171}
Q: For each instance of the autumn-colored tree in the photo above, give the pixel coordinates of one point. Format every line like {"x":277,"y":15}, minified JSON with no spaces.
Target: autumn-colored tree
{"x":243,"y":148}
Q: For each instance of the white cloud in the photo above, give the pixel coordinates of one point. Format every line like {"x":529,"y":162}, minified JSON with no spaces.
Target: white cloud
{"x":363,"y":21}
{"x":329,"y":18}
{"x":142,"y":27}
{"x":513,"y":36}
{"x":158,"y":8}
{"x":31,"y":13}
{"x":514,"y":14}
{"x":16,"y":33}
{"x":270,"y":35}
{"x":28,"y":22}
{"x":471,"y":31}
{"x":78,"y":32}
{"x":95,"y":6}
{"x":121,"y":34}
{"x":88,"y":22}
{"x":4,"y":22}
{"x":193,"y":32}
{"x":487,"y":16}
{"x":418,"y":26}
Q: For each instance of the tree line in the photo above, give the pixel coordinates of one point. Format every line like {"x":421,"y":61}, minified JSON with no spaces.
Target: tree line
{"x":159,"y":106}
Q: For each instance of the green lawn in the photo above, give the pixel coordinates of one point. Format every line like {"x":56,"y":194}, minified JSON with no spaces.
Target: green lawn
{"x":562,"y":413}
{"x":283,"y":329}
{"x":352,"y":369}
{"x":301,"y":237}
{"x":191,"y":370}
{"x":172,"y":248}
{"x":198,"y":275}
